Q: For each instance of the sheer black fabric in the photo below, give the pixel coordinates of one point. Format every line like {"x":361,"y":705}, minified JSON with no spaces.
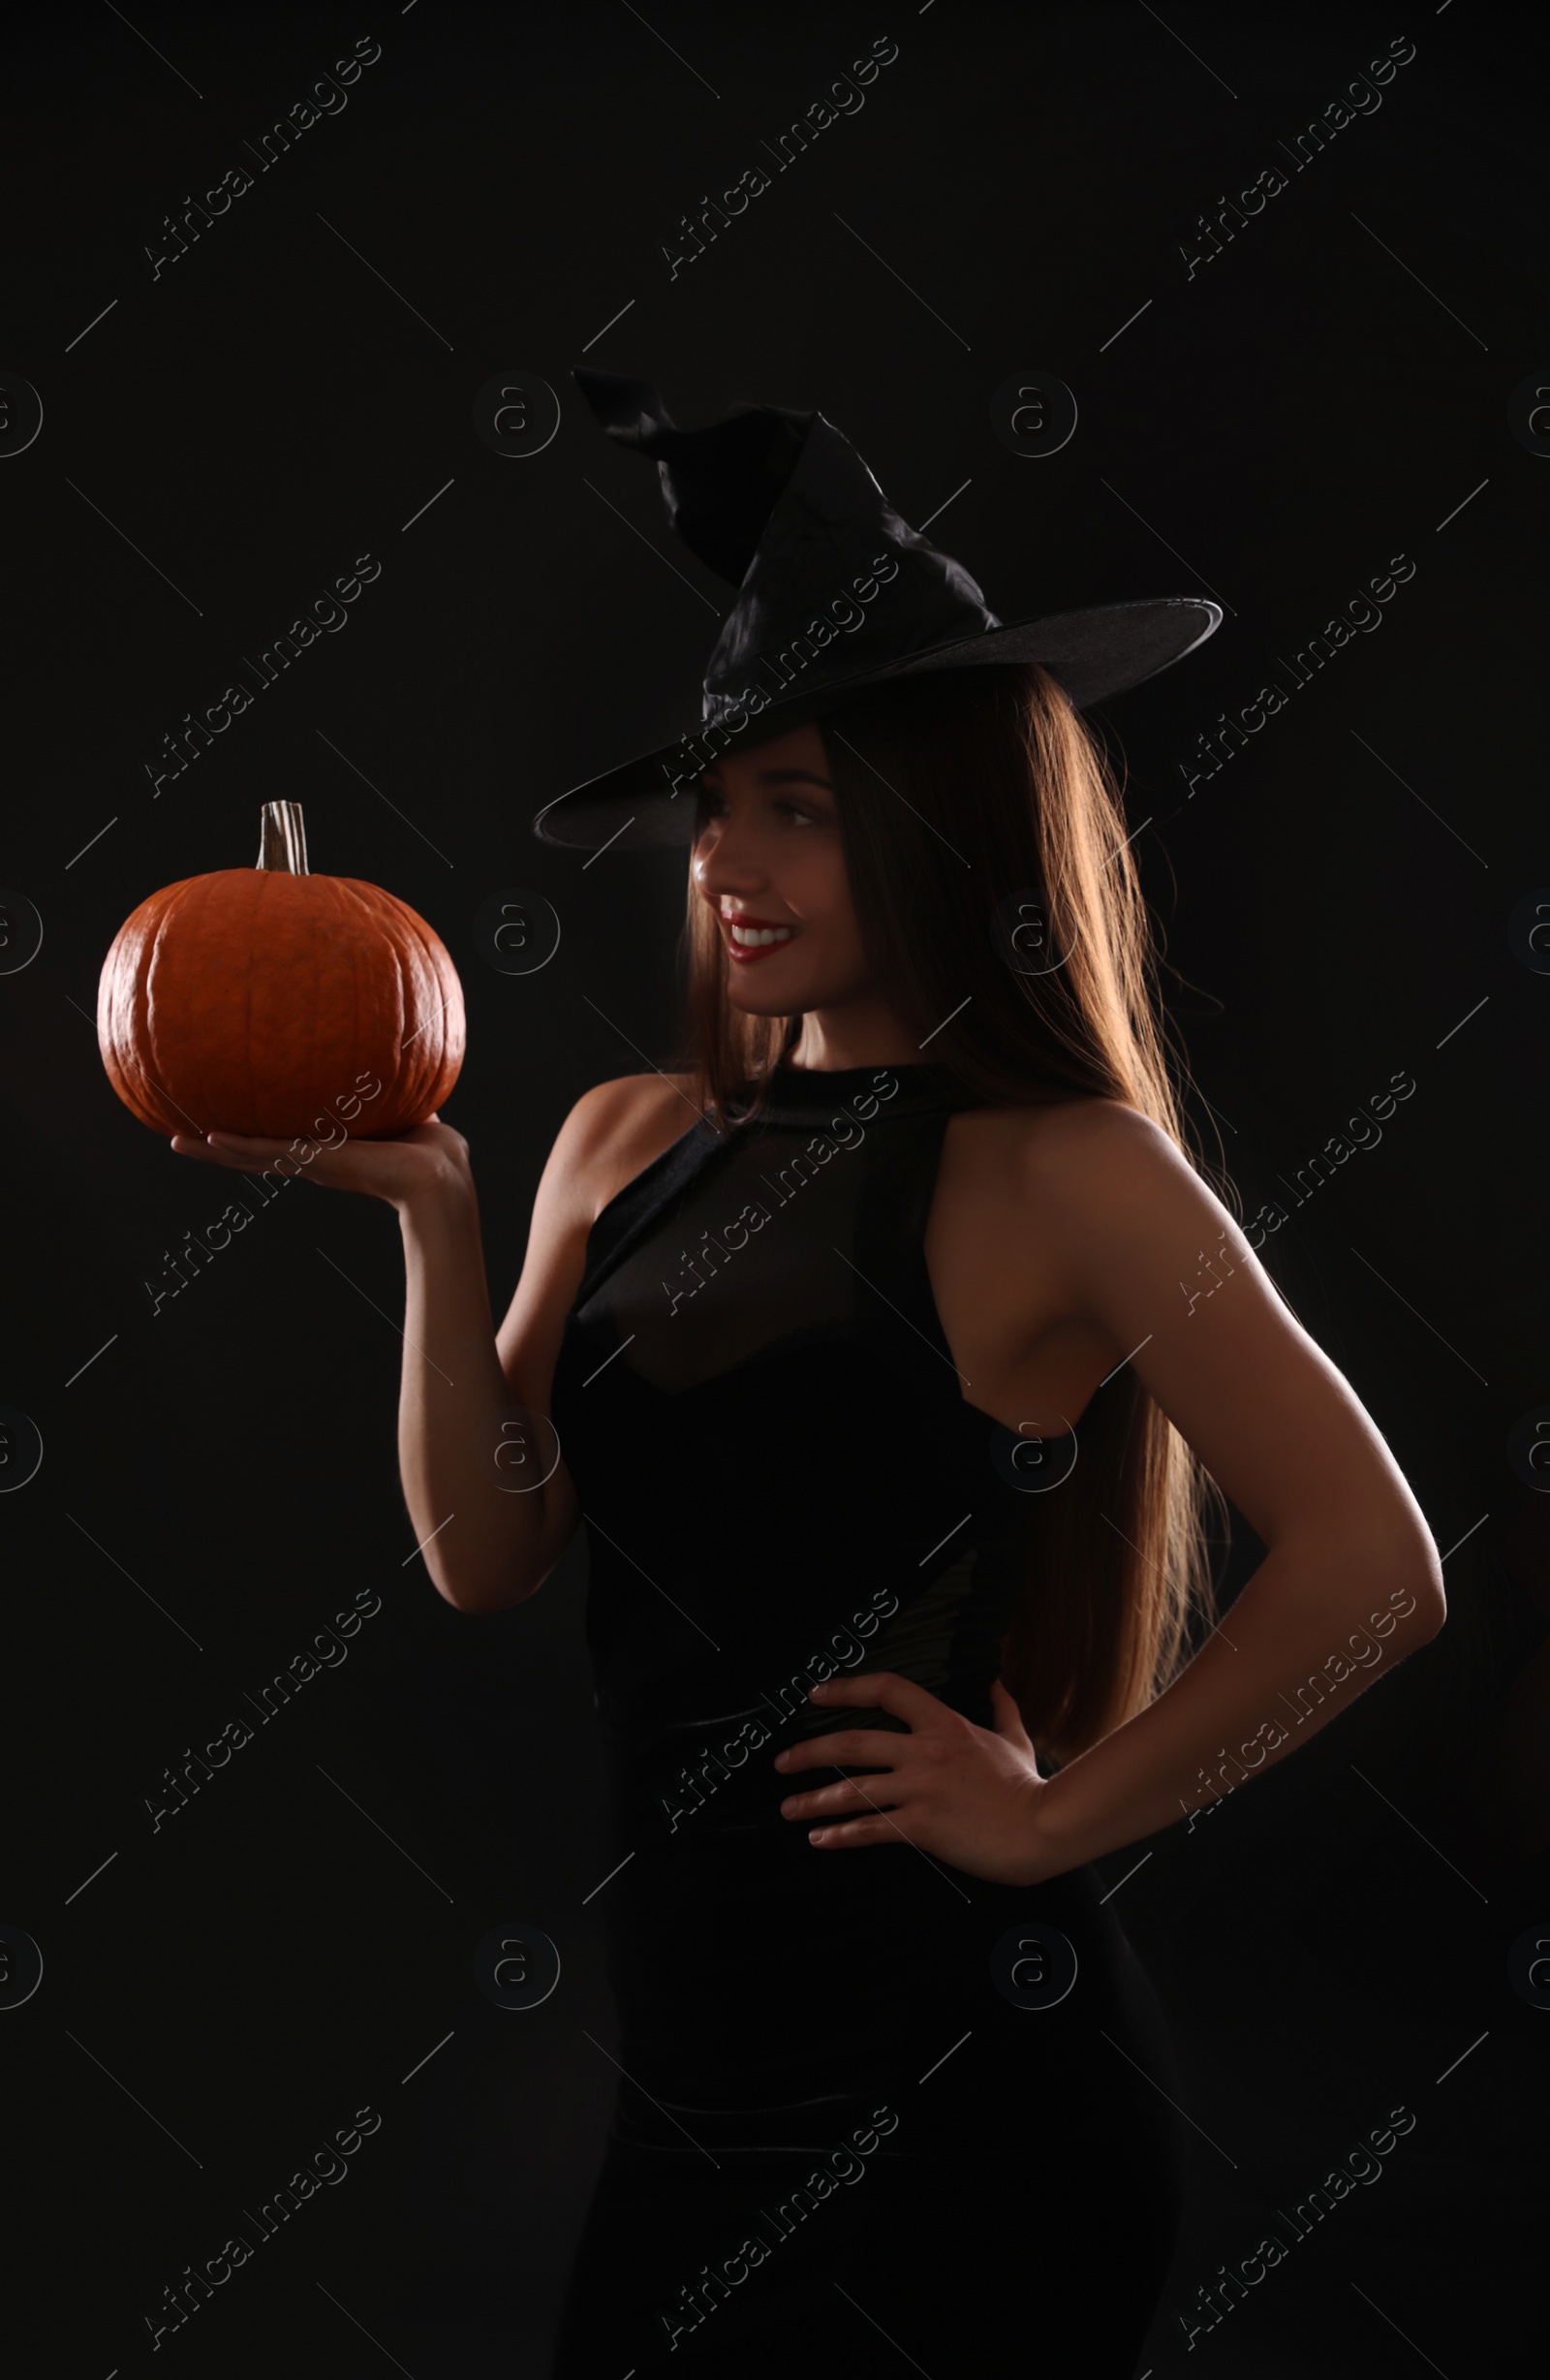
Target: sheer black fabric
{"x":783,"y":1477}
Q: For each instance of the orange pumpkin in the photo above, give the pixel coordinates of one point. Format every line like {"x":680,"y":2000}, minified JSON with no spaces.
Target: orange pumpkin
{"x":267,"y":1000}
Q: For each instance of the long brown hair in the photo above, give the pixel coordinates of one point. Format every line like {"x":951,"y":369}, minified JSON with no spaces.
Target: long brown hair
{"x":984,"y":837}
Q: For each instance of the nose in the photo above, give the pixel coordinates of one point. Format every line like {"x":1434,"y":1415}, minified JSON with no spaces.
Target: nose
{"x":726,"y":862}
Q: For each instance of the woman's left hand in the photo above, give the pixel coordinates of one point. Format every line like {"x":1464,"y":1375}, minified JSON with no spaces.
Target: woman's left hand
{"x":969,"y":1795}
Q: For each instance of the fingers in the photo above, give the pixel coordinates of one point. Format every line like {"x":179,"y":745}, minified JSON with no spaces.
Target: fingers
{"x":856,"y":1746}
{"x":247,"y":1155}
{"x":874,"y":1794}
{"x":900,"y":1696}
{"x":855,"y":1832}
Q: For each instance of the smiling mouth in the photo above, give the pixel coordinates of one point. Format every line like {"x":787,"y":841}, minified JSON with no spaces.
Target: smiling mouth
{"x":750,"y":940}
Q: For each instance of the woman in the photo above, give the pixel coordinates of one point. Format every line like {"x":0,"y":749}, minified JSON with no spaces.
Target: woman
{"x":890,"y":1348}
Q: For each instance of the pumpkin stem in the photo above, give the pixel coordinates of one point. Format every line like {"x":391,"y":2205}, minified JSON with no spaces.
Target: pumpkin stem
{"x":285,"y":839}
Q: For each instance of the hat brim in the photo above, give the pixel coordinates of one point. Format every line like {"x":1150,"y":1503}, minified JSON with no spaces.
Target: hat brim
{"x":1095,"y":653}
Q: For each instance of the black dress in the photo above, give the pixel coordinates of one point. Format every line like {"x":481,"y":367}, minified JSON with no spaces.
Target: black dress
{"x":868,"y":2108}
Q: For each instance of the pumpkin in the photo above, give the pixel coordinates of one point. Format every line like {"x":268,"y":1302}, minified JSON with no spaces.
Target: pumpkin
{"x":267,"y":1000}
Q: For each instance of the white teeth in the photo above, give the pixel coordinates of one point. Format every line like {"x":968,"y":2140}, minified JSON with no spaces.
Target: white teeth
{"x":752,"y":935}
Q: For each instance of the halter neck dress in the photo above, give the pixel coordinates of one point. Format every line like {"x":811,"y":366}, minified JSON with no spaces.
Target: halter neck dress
{"x":782,"y":1476}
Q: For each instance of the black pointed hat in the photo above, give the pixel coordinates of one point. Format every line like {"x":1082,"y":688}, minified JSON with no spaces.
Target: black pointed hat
{"x":836,"y":595}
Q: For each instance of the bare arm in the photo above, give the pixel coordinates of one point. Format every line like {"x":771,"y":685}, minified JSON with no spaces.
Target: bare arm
{"x":1350,"y":1581}
{"x":1351,"y":1584}
{"x":492,"y":1504}
{"x":491,"y":1508}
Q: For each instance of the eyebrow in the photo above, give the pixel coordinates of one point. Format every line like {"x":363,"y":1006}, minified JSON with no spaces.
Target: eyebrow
{"x":789,"y":776}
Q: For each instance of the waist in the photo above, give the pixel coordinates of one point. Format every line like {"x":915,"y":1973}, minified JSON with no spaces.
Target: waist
{"x":694,"y":1779}
{"x":762,"y":1643}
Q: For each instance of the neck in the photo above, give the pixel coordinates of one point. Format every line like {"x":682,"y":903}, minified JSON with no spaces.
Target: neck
{"x":858,"y":1034}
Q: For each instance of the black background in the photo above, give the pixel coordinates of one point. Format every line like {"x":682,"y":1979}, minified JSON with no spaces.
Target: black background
{"x":1330,"y":391}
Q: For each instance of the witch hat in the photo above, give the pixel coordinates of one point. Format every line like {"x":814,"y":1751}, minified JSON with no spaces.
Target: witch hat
{"x":836,"y":595}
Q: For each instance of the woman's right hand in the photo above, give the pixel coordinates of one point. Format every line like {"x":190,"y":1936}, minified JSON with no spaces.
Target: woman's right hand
{"x":424,"y":1163}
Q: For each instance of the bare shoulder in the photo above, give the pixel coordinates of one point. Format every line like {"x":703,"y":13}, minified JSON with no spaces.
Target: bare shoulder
{"x":611,"y":1134}
{"x":617,"y":1128}
{"x":1064,"y":1146}
{"x":1082,"y":1171}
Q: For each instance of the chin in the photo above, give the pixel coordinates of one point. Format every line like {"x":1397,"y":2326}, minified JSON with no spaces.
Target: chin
{"x":749,"y":1000}
{"x":766,"y":992}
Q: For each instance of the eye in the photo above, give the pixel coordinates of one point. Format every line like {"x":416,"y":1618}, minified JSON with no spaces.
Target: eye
{"x":711,"y":805}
